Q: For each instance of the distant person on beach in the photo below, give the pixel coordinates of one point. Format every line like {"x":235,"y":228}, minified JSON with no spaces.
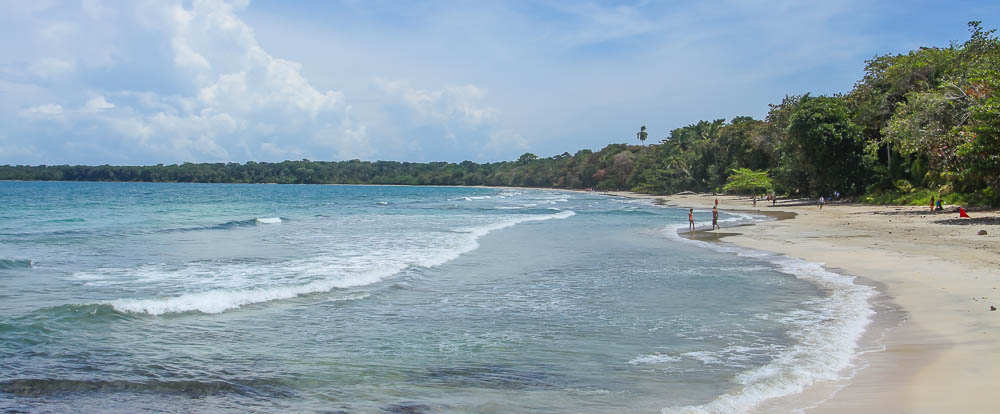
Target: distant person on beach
{"x":715,"y":218}
{"x":932,"y":204}
{"x":822,"y":201}
{"x":716,"y":202}
{"x":939,"y":206}
{"x":755,"y":200}
{"x":774,"y":200}
{"x":691,"y":218}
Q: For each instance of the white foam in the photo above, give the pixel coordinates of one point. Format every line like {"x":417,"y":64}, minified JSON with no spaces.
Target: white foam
{"x":653,"y":359}
{"x":826,"y":333}
{"x":268,"y":220}
{"x":336,"y":273}
{"x":217,"y":301}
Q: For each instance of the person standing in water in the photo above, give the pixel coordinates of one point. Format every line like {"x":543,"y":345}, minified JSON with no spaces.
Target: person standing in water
{"x":691,"y":219}
{"x":715,"y":219}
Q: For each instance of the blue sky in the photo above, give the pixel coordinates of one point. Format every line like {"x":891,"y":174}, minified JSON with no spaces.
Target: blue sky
{"x":161,"y":81}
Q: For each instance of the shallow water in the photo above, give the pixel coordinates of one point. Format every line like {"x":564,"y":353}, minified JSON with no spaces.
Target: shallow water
{"x":118,"y":297}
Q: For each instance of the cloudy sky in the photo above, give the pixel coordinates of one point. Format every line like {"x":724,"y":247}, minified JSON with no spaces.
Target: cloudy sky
{"x":163,"y":81}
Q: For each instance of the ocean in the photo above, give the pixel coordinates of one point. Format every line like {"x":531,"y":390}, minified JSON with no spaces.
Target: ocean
{"x":130,"y":297}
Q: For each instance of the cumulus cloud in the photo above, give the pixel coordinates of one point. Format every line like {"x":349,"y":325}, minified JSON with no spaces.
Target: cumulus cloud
{"x":200,"y":87}
{"x":97,"y":104}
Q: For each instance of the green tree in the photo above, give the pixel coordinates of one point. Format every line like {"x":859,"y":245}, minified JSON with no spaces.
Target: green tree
{"x":526,"y":158}
{"x":822,"y":134}
{"x":747,"y":181}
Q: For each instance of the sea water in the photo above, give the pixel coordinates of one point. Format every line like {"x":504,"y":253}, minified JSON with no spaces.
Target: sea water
{"x":126,"y":297}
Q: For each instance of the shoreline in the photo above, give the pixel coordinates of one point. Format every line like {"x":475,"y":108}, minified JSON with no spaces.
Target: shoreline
{"x":933,"y":345}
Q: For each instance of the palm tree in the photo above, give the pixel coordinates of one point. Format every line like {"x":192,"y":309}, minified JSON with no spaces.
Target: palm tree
{"x":641,"y":134}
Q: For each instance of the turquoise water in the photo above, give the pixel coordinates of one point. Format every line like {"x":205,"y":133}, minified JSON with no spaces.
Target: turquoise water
{"x":125,"y":297}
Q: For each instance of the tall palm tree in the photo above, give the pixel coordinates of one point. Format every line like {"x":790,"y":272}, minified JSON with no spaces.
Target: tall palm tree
{"x":642,"y":135}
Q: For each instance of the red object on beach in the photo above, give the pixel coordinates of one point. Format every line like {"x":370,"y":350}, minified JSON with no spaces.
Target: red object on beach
{"x":961,"y":213}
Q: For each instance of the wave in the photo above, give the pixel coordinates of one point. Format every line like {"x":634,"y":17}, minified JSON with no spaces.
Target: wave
{"x":67,"y":220}
{"x":472,"y":198}
{"x":221,"y":300}
{"x":103,"y":233}
{"x":237,"y":223}
{"x":38,"y":387}
{"x":16,"y":264}
{"x":653,"y":359}
{"x":621,"y":212}
{"x":826,"y":331}
{"x":229,"y":225}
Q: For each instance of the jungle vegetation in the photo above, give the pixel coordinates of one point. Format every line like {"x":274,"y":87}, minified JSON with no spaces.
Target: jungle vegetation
{"x":921,"y":124}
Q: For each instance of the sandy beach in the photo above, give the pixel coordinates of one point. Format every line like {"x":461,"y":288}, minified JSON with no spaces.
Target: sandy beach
{"x":942,"y":354}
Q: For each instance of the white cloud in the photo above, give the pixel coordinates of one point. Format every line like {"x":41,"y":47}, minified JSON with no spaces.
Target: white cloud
{"x":504,"y":141}
{"x":453,"y":102}
{"x":97,"y":104}
{"x":191,"y":80}
{"x":27,"y":152}
{"x":229,"y":94}
{"x":46,"y":111}
{"x":595,"y":23}
{"x":52,"y":67}
{"x":95,"y":9}
{"x":58,"y":31}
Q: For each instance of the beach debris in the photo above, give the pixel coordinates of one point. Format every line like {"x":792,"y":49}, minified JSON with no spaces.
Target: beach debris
{"x":993,"y":308}
{"x":982,"y":232}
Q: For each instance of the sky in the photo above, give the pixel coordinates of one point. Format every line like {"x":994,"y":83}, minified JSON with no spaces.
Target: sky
{"x":168,"y":81}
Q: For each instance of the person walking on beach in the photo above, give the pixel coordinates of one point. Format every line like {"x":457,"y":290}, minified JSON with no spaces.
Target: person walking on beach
{"x":715,"y":218}
{"x":932,"y":204}
{"x":716,"y":201}
{"x":755,"y":200}
{"x":821,"y":202}
{"x":691,"y":219}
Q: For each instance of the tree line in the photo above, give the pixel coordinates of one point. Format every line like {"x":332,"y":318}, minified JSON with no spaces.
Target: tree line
{"x":921,"y":124}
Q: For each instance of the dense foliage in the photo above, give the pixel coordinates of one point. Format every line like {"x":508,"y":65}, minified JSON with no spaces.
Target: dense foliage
{"x":921,"y":124}
{"x":747,"y":181}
